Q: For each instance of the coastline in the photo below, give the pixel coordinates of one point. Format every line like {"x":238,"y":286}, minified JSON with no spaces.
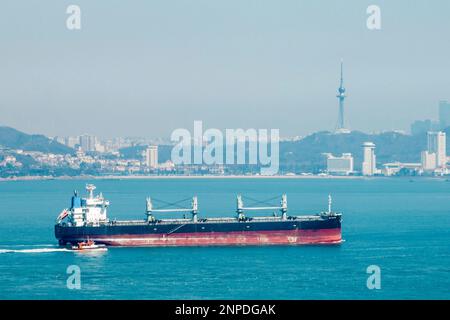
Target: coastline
{"x":175,"y":177}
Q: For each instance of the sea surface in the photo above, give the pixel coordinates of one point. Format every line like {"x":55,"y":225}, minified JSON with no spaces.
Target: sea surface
{"x":400,"y":225}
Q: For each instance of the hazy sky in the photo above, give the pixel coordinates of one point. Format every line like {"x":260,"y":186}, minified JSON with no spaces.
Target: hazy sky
{"x":148,"y":67}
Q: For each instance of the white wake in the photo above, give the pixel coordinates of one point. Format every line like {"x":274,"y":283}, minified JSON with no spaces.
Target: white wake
{"x":34,"y":250}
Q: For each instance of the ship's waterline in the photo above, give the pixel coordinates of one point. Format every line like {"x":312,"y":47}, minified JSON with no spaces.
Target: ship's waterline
{"x":323,"y":237}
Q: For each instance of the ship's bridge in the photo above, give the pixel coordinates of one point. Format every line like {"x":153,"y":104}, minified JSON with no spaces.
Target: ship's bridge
{"x":87,"y":211}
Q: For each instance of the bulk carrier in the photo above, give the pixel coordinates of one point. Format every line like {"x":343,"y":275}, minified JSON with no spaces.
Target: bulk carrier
{"x":86,"y":220}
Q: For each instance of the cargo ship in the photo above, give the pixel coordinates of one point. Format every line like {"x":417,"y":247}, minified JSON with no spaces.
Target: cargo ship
{"x":86,"y":219}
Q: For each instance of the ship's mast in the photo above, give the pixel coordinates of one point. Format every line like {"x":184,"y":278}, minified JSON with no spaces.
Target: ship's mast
{"x":149,"y":209}
{"x":240,"y":207}
{"x":90,"y":189}
{"x":329,"y":203}
{"x":284,"y":206}
{"x":194,"y":209}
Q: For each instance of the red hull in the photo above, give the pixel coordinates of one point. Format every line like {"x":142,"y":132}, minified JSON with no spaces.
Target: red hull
{"x":294,"y":237}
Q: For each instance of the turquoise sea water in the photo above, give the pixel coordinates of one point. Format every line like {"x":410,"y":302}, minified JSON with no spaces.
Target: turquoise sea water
{"x":400,"y":225}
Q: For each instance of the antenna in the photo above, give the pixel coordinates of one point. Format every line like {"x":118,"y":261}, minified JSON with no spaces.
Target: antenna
{"x":90,"y":189}
{"x":341,"y":96}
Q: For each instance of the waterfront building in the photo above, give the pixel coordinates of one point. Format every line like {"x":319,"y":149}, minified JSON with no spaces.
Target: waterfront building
{"x":436,"y":143}
{"x":151,"y":156}
{"x":342,"y":165}
{"x":369,"y":164}
{"x":428,"y":161}
{"x":394,"y":168}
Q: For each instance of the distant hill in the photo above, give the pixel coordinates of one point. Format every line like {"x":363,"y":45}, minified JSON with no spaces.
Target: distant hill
{"x":14,"y":139}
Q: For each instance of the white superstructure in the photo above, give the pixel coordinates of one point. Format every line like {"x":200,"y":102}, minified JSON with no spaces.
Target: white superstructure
{"x":86,"y":211}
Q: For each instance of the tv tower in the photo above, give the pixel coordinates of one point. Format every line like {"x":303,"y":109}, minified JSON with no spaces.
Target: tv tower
{"x":341,"y":96}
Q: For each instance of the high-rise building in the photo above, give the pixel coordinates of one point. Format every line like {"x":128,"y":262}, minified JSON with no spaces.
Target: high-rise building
{"x":437,"y":145}
{"x":369,"y":167}
{"x":339,"y":165}
{"x":444,"y":114}
{"x":100,"y":147}
{"x":88,"y":142}
{"x":428,"y":160}
{"x":151,"y":156}
{"x":72,"y":141}
{"x":340,"y":127}
{"x":419,"y":127}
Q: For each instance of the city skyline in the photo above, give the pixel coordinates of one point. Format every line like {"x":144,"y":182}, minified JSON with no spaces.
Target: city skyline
{"x":417,"y":127}
{"x":161,"y":71}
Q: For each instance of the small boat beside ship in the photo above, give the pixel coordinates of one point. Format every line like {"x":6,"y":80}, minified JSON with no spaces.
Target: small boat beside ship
{"x":86,"y":220}
{"x":88,"y":245}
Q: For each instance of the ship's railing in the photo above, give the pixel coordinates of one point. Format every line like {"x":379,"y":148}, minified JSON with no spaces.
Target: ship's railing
{"x":214,"y":220}
{"x":127,"y":222}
